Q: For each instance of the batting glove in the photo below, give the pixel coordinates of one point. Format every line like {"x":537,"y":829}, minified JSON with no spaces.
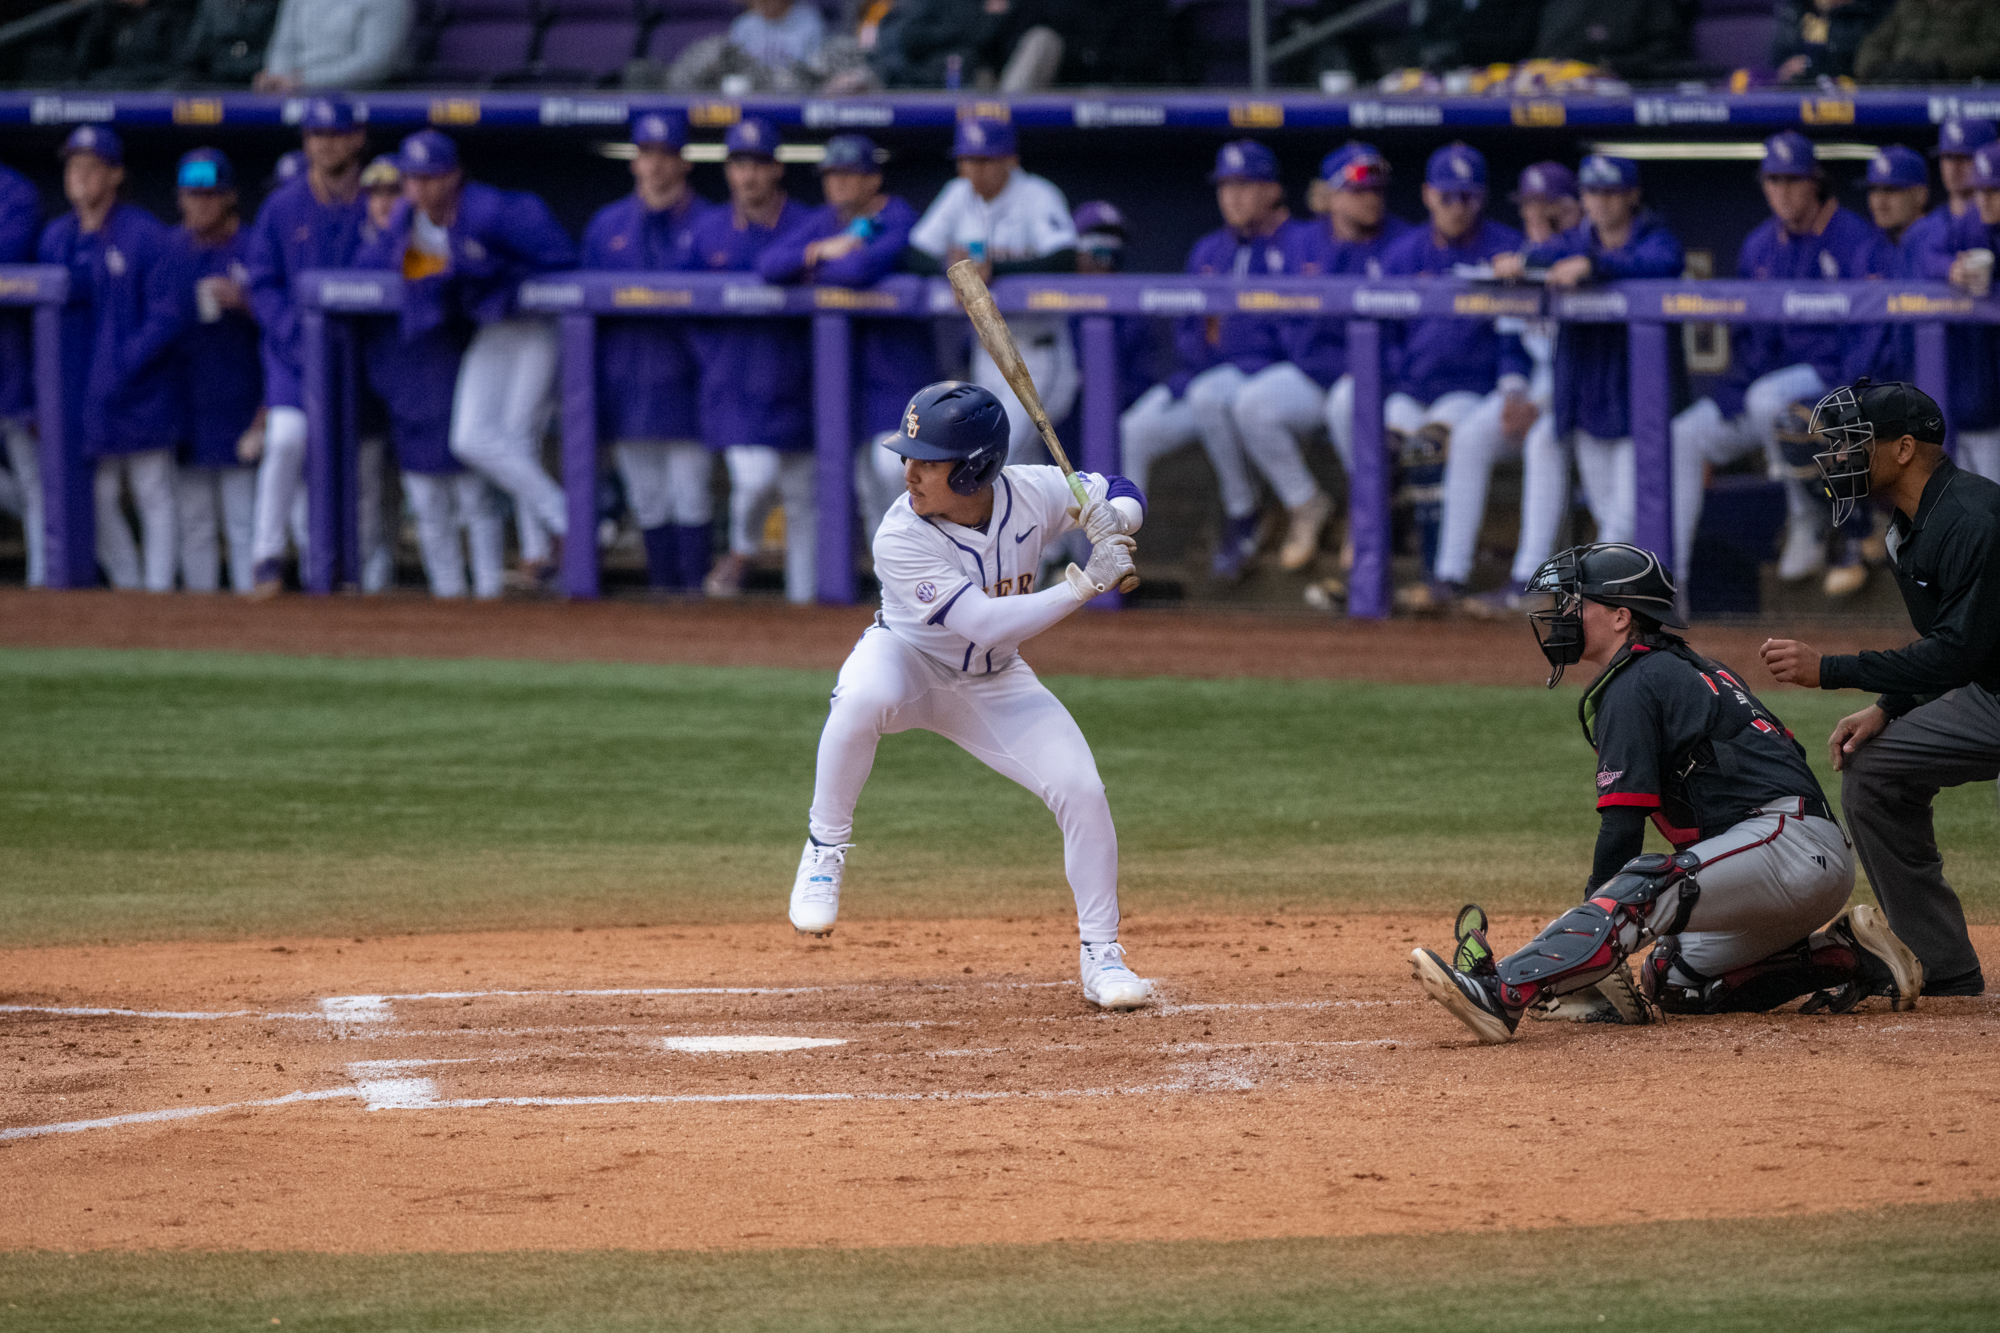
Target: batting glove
{"x":1099,"y":519}
{"x":1110,"y":565}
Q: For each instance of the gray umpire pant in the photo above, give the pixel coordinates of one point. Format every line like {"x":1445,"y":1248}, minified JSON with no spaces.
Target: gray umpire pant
{"x":1886,"y":791}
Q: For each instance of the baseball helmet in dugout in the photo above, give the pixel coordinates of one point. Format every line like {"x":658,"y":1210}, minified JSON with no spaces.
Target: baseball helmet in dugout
{"x":953,"y":421}
{"x":1610,"y":573}
{"x":1852,"y":418}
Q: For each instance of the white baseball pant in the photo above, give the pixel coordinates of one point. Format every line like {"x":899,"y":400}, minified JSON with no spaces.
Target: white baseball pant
{"x":501,"y":406}
{"x":1702,"y":435}
{"x":666,"y":481}
{"x":1277,"y":410}
{"x":1007,"y":720}
{"x":444,"y":507}
{"x":878,"y":480}
{"x":1158,"y":423}
{"x":1610,"y":485}
{"x":760,"y":476}
{"x":1766,"y":883}
{"x":281,"y":499}
{"x":1979,"y":451}
{"x":150,"y":474}
{"x":1050,"y":358}
{"x":1474,"y":420}
{"x":24,"y":458}
{"x":201,"y":494}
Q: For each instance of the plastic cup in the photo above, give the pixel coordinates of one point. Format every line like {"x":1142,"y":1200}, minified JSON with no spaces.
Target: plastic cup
{"x":1979,"y":266}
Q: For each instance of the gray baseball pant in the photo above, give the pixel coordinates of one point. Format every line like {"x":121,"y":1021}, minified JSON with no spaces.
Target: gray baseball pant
{"x":1886,"y":791}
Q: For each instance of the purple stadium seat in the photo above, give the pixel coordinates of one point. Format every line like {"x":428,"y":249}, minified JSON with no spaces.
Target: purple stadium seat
{"x":483,"y":39}
{"x":1735,"y":41}
{"x":685,"y":22}
{"x":588,"y":38}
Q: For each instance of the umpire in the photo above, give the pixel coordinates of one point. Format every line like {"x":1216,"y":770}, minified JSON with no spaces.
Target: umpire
{"x":1937,"y":722}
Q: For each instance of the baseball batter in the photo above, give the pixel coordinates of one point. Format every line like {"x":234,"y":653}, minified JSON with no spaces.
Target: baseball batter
{"x":1759,"y":862}
{"x":957,"y":557}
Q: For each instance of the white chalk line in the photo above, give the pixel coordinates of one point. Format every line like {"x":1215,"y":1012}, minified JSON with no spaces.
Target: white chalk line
{"x":173,"y":1113}
{"x":198,"y":1015}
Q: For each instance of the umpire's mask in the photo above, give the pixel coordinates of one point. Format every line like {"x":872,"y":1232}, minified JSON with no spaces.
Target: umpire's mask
{"x":1852,"y":418}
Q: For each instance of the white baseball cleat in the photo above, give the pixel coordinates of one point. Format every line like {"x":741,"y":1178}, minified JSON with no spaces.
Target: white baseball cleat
{"x":1107,"y":982}
{"x":816,"y":888}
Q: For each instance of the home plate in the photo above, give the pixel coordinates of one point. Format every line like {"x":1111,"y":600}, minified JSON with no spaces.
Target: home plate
{"x":748,"y":1043}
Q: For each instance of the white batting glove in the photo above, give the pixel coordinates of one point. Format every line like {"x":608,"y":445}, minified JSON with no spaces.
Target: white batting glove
{"x":1110,"y":565}
{"x":1099,"y":519}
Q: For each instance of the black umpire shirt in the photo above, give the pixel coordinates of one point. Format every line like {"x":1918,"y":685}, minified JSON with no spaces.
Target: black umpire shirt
{"x":1947,"y":563}
{"x":1681,"y":740}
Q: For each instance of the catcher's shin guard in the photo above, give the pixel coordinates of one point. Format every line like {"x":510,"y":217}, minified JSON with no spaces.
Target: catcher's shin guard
{"x":1652,"y":896}
{"x":1755,"y":988}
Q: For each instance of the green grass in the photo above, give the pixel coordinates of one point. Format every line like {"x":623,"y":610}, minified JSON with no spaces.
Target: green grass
{"x":164,"y":795}
{"x":1931,"y":1268}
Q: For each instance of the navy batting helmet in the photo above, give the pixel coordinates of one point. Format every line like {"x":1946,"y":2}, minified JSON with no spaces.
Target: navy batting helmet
{"x":957,"y":422}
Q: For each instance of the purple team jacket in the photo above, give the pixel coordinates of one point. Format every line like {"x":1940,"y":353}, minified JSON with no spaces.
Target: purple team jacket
{"x":1248,"y":342}
{"x":1593,"y":378}
{"x":20,"y":224}
{"x":293,"y":232}
{"x":1320,"y":349}
{"x":414,"y":374}
{"x":756,"y":374}
{"x":648,"y":379}
{"x":221,"y":368}
{"x":1428,"y":358}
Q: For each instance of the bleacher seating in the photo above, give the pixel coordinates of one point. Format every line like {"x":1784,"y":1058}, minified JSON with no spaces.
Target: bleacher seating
{"x":679,"y":24}
{"x":477,"y":41}
{"x":1735,"y":34}
{"x":588,"y":41}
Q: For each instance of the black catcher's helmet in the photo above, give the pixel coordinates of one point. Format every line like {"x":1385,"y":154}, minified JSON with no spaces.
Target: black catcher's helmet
{"x":1852,"y":418}
{"x":955,"y":421}
{"x":1611,"y":573}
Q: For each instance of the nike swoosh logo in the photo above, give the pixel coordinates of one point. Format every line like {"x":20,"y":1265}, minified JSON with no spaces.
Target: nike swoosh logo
{"x":1024,"y":536}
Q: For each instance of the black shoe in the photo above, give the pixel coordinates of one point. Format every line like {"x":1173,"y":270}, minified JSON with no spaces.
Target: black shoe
{"x":1965,"y":983}
{"x":1473,"y":1001}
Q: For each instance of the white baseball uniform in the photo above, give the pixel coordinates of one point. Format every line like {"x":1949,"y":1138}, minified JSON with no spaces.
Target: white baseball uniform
{"x":941,"y":656}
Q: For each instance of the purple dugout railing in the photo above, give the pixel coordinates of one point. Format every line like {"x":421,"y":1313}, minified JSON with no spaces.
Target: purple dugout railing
{"x":576,"y":300}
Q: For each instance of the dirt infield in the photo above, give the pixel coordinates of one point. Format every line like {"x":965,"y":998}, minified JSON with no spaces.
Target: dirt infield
{"x":497,"y":1091}
{"x":763,"y":633}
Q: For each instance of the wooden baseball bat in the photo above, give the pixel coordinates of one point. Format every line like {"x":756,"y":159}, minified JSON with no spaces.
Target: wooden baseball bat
{"x":998,"y":340}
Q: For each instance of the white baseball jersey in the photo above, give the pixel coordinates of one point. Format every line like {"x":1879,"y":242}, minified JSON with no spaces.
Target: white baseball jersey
{"x":926,"y":565}
{"x":1026,"y":220}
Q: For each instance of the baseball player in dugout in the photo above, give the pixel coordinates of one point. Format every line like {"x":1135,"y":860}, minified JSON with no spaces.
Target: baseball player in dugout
{"x":957,"y":557}
{"x":1937,"y":722}
{"x":1738,"y":913}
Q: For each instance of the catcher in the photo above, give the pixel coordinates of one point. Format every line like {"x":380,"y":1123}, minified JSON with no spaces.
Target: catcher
{"x":1759,"y":862}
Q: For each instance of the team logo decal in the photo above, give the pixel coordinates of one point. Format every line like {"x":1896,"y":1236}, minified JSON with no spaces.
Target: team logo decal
{"x":927,"y":591}
{"x":115,"y":261}
{"x":910,"y":422}
{"x":1607,"y":776}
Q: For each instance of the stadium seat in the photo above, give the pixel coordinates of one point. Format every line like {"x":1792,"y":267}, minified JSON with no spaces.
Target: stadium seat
{"x":1735,"y":34}
{"x":480,"y":41}
{"x":683,"y":24}
{"x":588,"y":41}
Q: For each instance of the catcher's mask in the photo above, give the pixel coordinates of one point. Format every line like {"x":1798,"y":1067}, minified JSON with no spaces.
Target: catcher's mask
{"x":1611,"y":573}
{"x":1852,"y":418}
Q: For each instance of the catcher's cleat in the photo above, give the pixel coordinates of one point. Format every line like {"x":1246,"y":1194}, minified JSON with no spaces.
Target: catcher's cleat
{"x":1474,"y":956}
{"x":1473,"y":1001}
{"x":1887,"y":967}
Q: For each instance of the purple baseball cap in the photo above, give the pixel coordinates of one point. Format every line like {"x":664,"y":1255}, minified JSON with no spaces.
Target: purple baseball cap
{"x":100,"y":141}
{"x":655,"y":130}
{"x":1897,"y":168}
{"x":851,"y":152}
{"x":1599,"y":172}
{"x":1355,"y":166}
{"x":1960,"y":138}
{"x":1986,"y":168}
{"x":1789,"y":154}
{"x":328,"y":115}
{"x":1098,"y":216}
{"x":1244,"y":160}
{"x":983,"y":136}
{"x":1456,"y":166}
{"x":1546,"y":180}
{"x":205,"y":169}
{"x":428,"y":153}
{"x":752,"y":136}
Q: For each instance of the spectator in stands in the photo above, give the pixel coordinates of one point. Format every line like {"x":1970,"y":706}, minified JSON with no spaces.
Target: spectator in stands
{"x":756,"y":402}
{"x":20,"y":225}
{"x":1774,"y":369}
{"x":1454,"y":382}
{"x":222,"y":379}
{"x":469,"y":247}
{"x":312,"y":221}
{"x":778,"y":32}
{"x":1899,"y":190}
{"x":1220,"y":356}
{"x":649,"y":382}
{"x":860,"y":237}
{"x":1633,"y":38}
{"x":132,"y":43}
{"x":1006,"y":221}
{"x":130,"y":302}
{"x":1589,"y":404}
{"x":1819,"y":39}
{"x":778,"y":46}
{"x":1933,"y":41}
{"x":336,"y":44}
{"x":227,"y":41}
{"x":1973,"y":240}
{"x":1036,"y":43}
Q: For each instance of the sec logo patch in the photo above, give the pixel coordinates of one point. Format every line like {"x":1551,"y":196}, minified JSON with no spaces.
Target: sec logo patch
{"x":927,"y":591}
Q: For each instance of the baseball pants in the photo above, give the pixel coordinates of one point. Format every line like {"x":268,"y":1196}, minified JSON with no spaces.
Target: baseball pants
{"x":1050,"y":359}
{"x":499,"y":410}
{"x":878,"y":480}
{"x":281,"y":498}
{"x":1979,"y":451}
{"x":446,"y":506}
{"x":24,"y":457}
{"x":1474,"y":421}
{"x":1158,"y":424}
{"x":1702,"y":435}
{"x":1277,"y":410}
{"x":204,"y":495}
{"x":1007,"y":720}
{"x":150,"y":474}
{"x":1610,"y":485}
{"x":760,"y":476}
{"x":1886,"y":791}
{"x":1766,"y":883}
{"x":666,"y":481}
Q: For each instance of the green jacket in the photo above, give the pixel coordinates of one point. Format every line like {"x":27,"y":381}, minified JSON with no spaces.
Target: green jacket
{"x":1925,"y":40}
